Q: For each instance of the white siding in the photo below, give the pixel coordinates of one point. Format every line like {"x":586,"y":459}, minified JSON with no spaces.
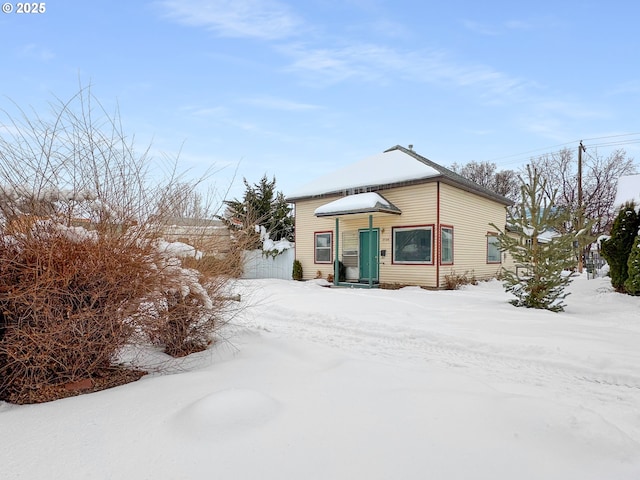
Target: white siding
{"x":257,"y":265}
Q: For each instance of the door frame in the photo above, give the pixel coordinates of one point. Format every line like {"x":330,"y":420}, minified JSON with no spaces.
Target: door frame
{"x":373,"y":254}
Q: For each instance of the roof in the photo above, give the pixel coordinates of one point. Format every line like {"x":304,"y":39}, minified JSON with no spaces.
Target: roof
{"x":394,"y":167}
{"x":193,"y":222}
{"x":370,"y":202}
{"x":543,"y":237}
{"x":628,"y":190}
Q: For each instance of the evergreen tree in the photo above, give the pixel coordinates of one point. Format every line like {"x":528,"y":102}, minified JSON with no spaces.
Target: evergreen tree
{"x":617,"y":249}
{"x":632,"y":283}
{"x":540,"y":277}
{"x":261,"y":205}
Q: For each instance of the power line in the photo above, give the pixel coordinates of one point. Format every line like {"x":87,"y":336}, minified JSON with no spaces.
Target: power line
{"x":612,"y":136}
{"x":614,"y":144}
{"x":524,"y":156}
{"x":531,"y":151}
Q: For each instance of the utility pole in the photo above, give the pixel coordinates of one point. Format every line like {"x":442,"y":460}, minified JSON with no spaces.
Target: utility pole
{"x":581,"y":149}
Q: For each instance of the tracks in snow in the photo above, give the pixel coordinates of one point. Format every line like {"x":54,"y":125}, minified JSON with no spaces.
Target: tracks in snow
{"x":380,"y":340}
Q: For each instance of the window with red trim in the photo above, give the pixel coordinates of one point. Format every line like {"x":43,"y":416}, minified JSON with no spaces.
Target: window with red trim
{"x":323,"y":251}
{"x":412,"y":245}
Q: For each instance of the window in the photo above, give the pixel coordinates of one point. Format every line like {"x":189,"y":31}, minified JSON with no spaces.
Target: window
{"x":493,"y":250}
{"x":323,"y":241}
{"x":446,"y":244}
{"x":412,"y":245}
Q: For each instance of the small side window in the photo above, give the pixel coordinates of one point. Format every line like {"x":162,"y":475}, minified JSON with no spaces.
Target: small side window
{"x":493,"y":250}
{"x":323,"y":250}
{"x":446,"y":245}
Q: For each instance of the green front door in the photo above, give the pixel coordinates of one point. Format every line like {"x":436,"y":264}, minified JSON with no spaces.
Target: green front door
{"x":369,"y":255}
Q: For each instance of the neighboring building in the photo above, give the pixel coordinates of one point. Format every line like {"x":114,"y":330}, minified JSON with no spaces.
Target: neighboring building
{"x":398,"y":218}
{"x":207,"y":235}
{"x":628,"y":191}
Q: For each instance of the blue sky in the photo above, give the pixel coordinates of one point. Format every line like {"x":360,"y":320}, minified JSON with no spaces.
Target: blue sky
{"x":297,"y":88}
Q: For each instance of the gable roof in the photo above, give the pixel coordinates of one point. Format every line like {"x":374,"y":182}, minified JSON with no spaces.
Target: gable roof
{"x":369,"y":202}
{"x":394,"y":167}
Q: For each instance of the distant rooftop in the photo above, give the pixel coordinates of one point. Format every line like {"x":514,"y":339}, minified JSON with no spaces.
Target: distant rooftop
{"x":628,"y":190}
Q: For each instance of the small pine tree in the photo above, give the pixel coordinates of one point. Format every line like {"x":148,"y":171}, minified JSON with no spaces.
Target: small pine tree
{"x":297,"y":270}
{"x":541,"y":275}
{"x":617,"y":249}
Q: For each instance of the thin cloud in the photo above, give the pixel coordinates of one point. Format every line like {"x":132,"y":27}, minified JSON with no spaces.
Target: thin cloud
{"x":279,"y":104}
{"x":377,"y":64}
{"x":34,"y":51}
{"x":569,"y":110}
{"x":504,"y":27}
{"x":480,"y":28}
{"x":207,"y":112}
{"x":630,"y":87}
{"x":332,"y":65}
{"x":555,"y":119}
{"x":518,"y":25}
{"x":262,"y":19}
{"x":479,"y":132}
{"x":546,"y":127}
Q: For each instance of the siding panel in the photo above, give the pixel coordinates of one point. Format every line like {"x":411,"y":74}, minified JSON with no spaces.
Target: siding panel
{"x":470,"y":215}
{"x":467,"y":213}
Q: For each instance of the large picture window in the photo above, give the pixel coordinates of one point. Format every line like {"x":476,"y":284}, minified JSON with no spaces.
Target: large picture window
{"x":446,"y":245}
{"x":493,"y":249}
{"x":323,"y":243}
{"x":412,"y":245}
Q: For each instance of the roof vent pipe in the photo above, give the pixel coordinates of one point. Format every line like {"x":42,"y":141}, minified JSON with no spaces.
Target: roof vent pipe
{"x":411,"y":147}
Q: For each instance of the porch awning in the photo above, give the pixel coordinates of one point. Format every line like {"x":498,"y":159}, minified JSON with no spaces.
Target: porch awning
{"x":370,"y":202}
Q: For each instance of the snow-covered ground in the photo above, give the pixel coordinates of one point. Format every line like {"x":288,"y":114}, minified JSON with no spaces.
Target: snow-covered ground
{"x":327,"y":383}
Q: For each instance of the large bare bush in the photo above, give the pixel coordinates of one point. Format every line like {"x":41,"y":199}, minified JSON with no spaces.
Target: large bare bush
{"x":82,"y":272}
{"x":68,"y":304}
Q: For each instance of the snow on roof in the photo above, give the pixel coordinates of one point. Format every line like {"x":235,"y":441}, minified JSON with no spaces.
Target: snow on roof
{"x":382,"y":169}
{"x":628,"y":190}
{"x":359,"y":203}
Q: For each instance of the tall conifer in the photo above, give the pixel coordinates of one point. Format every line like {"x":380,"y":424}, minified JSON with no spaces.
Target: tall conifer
{"x":632,"y":283}
{"x":616,"y":250}
{"x":543,"y":256}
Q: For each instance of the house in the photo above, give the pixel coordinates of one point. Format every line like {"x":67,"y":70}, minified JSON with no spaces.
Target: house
{"x":397,"y":218}
{"x":628,"y":191}
{"x":207,"y":235}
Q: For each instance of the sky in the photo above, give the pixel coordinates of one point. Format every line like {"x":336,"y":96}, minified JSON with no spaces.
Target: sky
{"x":247,"y":88}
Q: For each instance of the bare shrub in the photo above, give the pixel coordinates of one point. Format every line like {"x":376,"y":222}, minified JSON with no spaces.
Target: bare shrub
{"x":67,"y":303}
{"x":187,"y":306}
{"x":392,"y":286}
{"x":454,"y":281}
{"x":82,"y":273}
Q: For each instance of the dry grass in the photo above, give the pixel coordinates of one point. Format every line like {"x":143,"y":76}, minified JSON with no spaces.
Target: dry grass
{"x":454,"y":281}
